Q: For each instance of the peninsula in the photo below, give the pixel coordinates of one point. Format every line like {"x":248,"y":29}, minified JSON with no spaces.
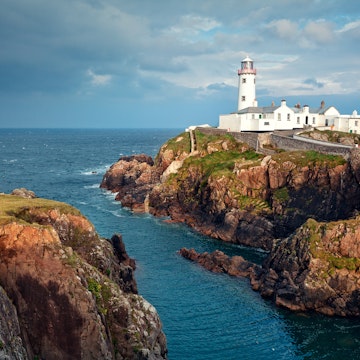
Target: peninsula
{"x":300,"y":206}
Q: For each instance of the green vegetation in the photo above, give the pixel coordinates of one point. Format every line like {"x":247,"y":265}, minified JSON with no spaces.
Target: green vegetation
{"x":178,"y":144}
{"x":318,"y":250}
{"x":220,"y":163}
{"x":203,"y":140}
{"x":95,"y":288}
{"x":102,"y":294}
{"x":309,"y":158}
{"x":281,"y":195}
{"x":335,"y":136}
{"x":15,"y":208}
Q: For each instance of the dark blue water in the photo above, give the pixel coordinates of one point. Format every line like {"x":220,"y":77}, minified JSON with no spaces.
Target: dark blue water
{"x":205,"y":315}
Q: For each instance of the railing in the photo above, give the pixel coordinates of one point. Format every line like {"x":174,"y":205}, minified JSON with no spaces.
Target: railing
{"x":247,"y":71}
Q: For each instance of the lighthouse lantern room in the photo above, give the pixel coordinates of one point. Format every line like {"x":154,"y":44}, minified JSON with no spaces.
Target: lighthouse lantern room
{"x":247,"y":94}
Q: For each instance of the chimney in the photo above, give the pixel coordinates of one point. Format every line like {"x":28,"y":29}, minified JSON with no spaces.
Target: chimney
{"x":283,"y":102}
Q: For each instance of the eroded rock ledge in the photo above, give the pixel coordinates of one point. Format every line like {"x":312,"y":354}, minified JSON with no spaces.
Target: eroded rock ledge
{"x":65,"y":292}
{"x":228,"y":191}
{"x":317,"y":268}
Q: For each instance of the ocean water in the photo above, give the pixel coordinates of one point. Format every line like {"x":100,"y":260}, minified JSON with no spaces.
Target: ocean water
{"x":204,"y":315}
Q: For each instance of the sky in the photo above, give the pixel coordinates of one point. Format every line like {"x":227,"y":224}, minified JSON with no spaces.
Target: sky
{"x":170,"y":63}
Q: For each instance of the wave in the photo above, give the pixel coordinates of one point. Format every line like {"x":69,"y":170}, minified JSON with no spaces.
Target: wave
{"x":93,"y":186}
{"x":95,"y":171}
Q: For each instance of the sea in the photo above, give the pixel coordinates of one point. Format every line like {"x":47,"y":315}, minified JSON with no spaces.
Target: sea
{"x":205,"y":316}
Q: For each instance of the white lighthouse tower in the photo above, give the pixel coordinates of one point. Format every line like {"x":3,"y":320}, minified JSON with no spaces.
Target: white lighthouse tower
{"x":247,"y":94}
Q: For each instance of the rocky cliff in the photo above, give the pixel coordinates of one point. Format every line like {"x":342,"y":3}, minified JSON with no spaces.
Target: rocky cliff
{"x":228,"y":191}
{"x":317,"y":268}
{"x":65,"y":292}
{"x":280,"y":203}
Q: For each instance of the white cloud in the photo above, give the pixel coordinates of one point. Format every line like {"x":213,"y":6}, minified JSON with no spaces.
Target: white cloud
{"x":97,"y":79}
{"x":349,"y":26}
{"x":190,"y":26}
{"x":320,"y":32}
{"x":284,"y":28}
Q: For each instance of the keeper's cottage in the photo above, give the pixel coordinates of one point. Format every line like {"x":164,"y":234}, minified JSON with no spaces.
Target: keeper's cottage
{"x":251,"y":117}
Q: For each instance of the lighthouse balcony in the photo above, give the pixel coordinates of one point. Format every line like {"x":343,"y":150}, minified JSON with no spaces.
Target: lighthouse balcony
{"x":246,"y":71}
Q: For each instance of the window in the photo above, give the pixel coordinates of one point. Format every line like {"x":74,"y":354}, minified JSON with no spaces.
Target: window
{"x":243,"y":98}
{"x":313,"y":120}
{"x":288,"y":117}
{"x":259,"y":116}
{"x":266,"y":123}
{"x":244,"y":80}
{"x":298,"y":120}
{"x":253,"y":116}
{"x":356,"y":123}
{"x":264,"y":115}
{"x":279,"y":117}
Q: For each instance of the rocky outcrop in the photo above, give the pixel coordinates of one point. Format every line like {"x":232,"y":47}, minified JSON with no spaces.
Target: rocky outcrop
{"x":287,"y":203}
{"x":132,"y":178}
{"x":73,"y":292}
{"x":227,"y":191}
{"x":317,"y":268}
{"x":219,"y":262}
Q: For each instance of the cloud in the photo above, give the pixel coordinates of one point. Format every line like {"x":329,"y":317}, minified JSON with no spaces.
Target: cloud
{"x":283,"y":28}
{"x":142,"y":51}
{"x":314,"y":83}
{"x":98,"y":80}
{"x":319,"y":32}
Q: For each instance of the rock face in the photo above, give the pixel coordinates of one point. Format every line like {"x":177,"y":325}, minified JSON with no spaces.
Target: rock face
{"x":74,"y":293}
{"x":293,"y":204}
{"x":132,"y":177}
{"x":227,"y":191}
{"x":317,"y":268}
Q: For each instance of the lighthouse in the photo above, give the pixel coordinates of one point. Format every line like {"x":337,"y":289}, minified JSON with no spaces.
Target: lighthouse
{"x":247,"y":75}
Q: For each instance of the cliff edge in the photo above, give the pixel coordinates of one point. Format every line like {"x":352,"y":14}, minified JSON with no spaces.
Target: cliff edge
{"x":66,"y":293}
{"x":280,"y":202}
{"x":228,"y":191}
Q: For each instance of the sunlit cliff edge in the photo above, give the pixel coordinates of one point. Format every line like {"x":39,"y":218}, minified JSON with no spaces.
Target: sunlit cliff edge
{"x":66,"y":293}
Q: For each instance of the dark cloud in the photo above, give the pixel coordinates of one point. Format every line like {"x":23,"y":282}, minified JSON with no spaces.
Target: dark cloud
{"x":159,"y":51}
{"x":314,"y":83}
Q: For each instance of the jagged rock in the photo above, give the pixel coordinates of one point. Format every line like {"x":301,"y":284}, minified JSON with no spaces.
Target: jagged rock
{"x":74,"y":293}
{"x":11,"y":344}
{"x":28,"y":194}
{"x":226,"y":191}
{"x":132,"y":177}
{"x":219,"y":262}
{"x":304,"y":271}
{"x":248,"y":201}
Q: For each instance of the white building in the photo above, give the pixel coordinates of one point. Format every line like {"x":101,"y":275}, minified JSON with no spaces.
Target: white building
{"x":251,"y":117}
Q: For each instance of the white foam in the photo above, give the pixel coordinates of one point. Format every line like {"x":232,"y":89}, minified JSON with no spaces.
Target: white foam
{"x":93,"y":186}
{"x":96,"y":171}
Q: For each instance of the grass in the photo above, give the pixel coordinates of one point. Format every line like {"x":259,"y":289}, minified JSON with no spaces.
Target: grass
{"x":221,"y":162}
{"x":309,"y":158}
{"x":13,"y":208}
{"x":317,"y":249}
{"x":282,"y":194}
{"x":178,"y":144}
{"x":336,"y":136}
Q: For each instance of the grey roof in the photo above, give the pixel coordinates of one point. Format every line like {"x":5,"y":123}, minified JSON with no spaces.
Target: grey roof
{"x":258,"y":110}
{"x":271,"y":109}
